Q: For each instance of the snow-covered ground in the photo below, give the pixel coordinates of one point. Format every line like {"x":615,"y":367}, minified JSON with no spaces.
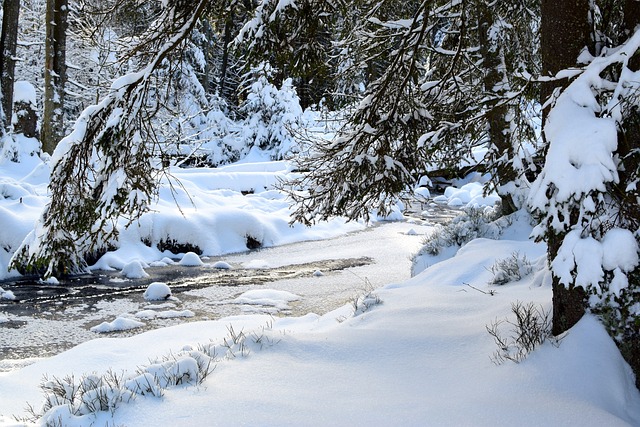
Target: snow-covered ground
{"x":414,"y":351}
{"x":416,"y":354}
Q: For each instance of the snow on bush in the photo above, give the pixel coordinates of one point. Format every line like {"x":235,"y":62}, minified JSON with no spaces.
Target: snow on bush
{"x":119,"y":324}
{"x":134,"y":270}
{"x":157,"y":291}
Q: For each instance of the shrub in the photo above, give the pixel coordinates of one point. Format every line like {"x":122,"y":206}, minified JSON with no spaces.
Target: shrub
{"x":532,"y":327}
{"x":510,"y":269}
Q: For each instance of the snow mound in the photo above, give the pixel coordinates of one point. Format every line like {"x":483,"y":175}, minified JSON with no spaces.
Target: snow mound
{"x":470,"y":195}
{"x":267,"y":297}
{"x":120,"y":324}
{"x":134,"y":270}
{"x":157,"y":291}
{"x":222,"y":265}
{"x":191,"y":259}
{"x":318,"y":273}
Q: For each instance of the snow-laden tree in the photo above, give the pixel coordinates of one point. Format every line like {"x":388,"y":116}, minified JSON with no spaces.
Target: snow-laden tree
{"x":271,"y":114}
{"x":445,"y":78}
{"x":588,"y":193}
{"x":295,"y":37}
{"x":104,"y":168}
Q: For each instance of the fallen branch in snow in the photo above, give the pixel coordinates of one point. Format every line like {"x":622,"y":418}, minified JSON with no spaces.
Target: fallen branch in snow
{"x":490,"y":292}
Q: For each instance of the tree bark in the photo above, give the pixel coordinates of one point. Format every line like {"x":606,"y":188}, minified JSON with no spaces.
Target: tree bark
{"x":565,"y":32}
{"x":55,"y":74}
{"x":496,"y":115}
{"x":8,"y":44}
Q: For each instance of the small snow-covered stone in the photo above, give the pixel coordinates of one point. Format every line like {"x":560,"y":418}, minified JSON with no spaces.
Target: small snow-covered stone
{"x":191,"y":259}
{"x":222,"y":265}
{"x":318,"y":273}
{"x":134,"y":270}
{"x":412,"y":232}
{"x":120,"y":324}
{"x":157,"y":291}
{"x":7,"y":295}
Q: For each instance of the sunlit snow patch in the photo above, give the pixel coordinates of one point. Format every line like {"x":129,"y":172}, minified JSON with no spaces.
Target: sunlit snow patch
{"x":267,"y":297}
{"x":120,"y":324}
{"x":257,"y":264}
{"x":157,"y":291}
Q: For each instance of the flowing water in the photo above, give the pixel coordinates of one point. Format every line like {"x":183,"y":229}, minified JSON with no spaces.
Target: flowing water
{"x":47,"y":319}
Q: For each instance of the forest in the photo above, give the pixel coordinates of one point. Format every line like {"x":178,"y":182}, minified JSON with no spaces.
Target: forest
{"x":114,"y":92}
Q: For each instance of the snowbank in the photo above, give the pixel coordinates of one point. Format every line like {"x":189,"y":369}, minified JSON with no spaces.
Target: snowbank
{"x":206,"y":211}
{"x":420,"y":357}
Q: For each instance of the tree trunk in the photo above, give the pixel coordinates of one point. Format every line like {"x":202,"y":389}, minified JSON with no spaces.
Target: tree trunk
{"x":496,"y":115}
{"x":55,"y":74}
{"x":8,"y":44}
{"x":564,"y":33}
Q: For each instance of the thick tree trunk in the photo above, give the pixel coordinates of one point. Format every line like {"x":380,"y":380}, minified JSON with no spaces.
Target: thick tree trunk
{"x":55,"y":74}
{"x":8,"y":44}
{"x":565,"y":32}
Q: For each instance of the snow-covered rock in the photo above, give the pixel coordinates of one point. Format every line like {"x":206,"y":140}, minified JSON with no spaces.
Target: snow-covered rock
{"x":222,"y":265}
{"x":134,"y":270}
{"x":157,"y":291}
{"x":7,"y":295}
{"x":191,"y":259}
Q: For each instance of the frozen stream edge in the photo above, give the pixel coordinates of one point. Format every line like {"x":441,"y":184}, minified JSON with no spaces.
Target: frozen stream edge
{"x":389,"y":246}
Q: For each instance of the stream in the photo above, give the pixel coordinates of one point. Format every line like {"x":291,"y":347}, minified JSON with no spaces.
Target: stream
{"x":46,"y":319}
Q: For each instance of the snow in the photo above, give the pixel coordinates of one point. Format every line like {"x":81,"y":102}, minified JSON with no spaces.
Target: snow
{"x":191,"y":259}
{"x":24,"y":92}
{"x":157,"y":291}
{"x":134,"y":270}
{"x":421,"y":356}
{"x":119,"y":324}
{"x":6,"y":295}
{"x":268,"y":297}
{"x":222,"y":265}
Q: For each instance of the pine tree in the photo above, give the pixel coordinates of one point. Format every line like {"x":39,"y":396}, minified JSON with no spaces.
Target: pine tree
{"x":103,"y":170}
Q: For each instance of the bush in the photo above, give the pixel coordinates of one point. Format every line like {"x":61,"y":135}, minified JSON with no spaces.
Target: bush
{"x":531,"y":328}
{"x":472,"y":224}
{"x":510,"y":269}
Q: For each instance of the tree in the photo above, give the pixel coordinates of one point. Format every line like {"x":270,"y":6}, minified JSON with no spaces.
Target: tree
{"x":432,"y":99}
{"x":103,"y":170}
{"x":55,"y":74}
{"x":8,"y":44}
{"x":587,"y":193}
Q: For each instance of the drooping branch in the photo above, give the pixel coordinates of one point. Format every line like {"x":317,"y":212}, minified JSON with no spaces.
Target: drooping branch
{"x":103,"y":170}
